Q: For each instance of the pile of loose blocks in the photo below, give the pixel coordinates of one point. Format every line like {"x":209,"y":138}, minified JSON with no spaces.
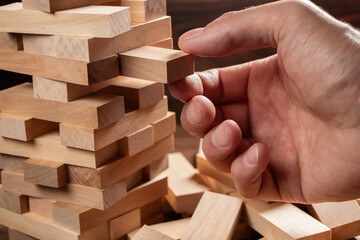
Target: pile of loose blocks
{"x":85,"y":150}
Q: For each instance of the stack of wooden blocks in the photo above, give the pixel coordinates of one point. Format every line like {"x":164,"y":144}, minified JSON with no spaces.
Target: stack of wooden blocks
{"x":83,"y":148}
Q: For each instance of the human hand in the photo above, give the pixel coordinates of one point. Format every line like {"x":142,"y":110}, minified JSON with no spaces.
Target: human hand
{"x":287,"y":127}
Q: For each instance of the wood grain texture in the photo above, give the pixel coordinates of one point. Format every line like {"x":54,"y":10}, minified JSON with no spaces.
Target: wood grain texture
{"x":97,"y":110}
{"x":185,"y":185}
{"x":156,"y":64}
{"x":136,"y":142}
{"x":120,"y":226}
{"x":215,"y":217}
{"x":45,"y":173}
{"x":11,"y":163}
{"x":24,"y":128}
{"x":215,"y":185}
{"x":11,"y":41}
{"x":41,"y":207}
{"x":148,"y":233}
{"x":48,"y":147}
{"x":152,"y":170}
{"x":17,"y":235}
{"x":51,"y":6}
{"x":72,"y":71}
{"x":13,"y":202}
{"x":343,"y":218}
{"x":94,"y":139}
{"x":91,"y":21}
{"x":166,"y":43}
{"x":80,"y":219}
{"x":164,"y":126}
{"x":71,"y":193}
{"x":122,"y":167}
{"x":88,"y":49}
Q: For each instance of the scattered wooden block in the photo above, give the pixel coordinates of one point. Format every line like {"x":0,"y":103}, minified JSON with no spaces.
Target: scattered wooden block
{"x":147,"y":233}
{"x":16,"y":235}
{"x":88,"y":49}
{"x":48,"y":147}
{"x":156,"y":64}
{"x":185,"y":185}
{"x":12,"y":201}
{"x":24,"y":128}
{"x":283,"y":221}
{"x":65,"y":70}
{"x":167,"y":43}
{"x":71,"y":193}
{"x":164,"y":127}
{"x":97,"y":110}
{"x":343,"y":218}
{"x":136,"y":142}
{"x":51,"y":6}
{"x":91,"y":21}
{"x":11,"y":41}
{"x":120,"y":226}
{"x":79,"y":218}
{"x":152,"y":170}
{"x":45,"y":173}
{"x":150,"y":211}
{"x":94,"y":139}
{"x":215,"y":217}
{"x":215,"y":185}
{"x":11,"y":163}
{"x":119,"y":169}
{"x":41,"y":207}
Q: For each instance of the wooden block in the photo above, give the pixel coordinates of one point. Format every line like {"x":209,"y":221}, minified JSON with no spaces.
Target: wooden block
{"x":156,"y":64}
{"x":164,"y":127}
{"x":12,"y":201}
{"x":79,"y":218}
{"x":343,"y":218}
{"x":119,"y":169}
{"x":91,"y":21}
{"x":71,"y":193}
{"x":51,"y":6}
{"x":16,"y":235}
{"x":89,"y":49}
{"x":173,"y":229}
{"x":41,"y":207}
{"x":166,"y":43}
{"x":159,"y":218}
{"x":151,"y":210}
{"x":11,"y":163}
{"x":185,"y":185}
{"x":65,"y":70}
{"x":147,"y":233}
{"x":24,"y":128}
{"x":152,"y":170}
{"x":11,"y":41}
{"x":45,"y":173}
{"x":215,"y":185}
{"x":94,"y":139}
{"x":97,"y":110}
{"x":136,"y":142}
{"x":134,"y":180}
{"x":48,"y":147}
{"x":124,"y":224}
{"x":283,"y":221}
{"x":215,"y":217}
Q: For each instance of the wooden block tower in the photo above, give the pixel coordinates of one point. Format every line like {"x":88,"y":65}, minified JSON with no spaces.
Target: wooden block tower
{"x":83,"y":148}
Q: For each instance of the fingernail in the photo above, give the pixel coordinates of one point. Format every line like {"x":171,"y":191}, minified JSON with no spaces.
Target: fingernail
{"x":193,"y":113}
{"x":220,"y":137}
{"x":252,"y":155}
{"x":195,"y":33}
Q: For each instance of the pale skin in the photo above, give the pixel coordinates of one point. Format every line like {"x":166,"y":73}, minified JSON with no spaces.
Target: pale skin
{"x":286,"y":127}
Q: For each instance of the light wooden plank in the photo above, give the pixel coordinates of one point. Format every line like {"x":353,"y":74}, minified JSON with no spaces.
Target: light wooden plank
{"x":17,"y":235}
{"x":93,"y":139}
{"x":215,"y":217}
{"x":343,"y":218}
{"x":24,"y":128}
{"x":89,"y":49}
{"x":14,"y":202}
{"x":147,"y":233}
{"x":185,"y":185}
{"x":152,"y":170}
{"x":65,"y":70}
{"x":164,"y":127}
{"x":79,"y":218}
{"x":91,"y":21}
{"x":71,"y":193}
{"x":156,"y":64}
{"x":166,"y":43}
{"x":48,"y":147}
{"x":11,"y":163}
{"x":41,"y":207}
{"x":283,"y":221}
{"x":97,"y":110}
{"x":51,"y":6}
{"x":136,"y":142}
{"x":215,"y":185}
{"x":45,"y":173}
{"x":150,"y":211}
{"x":11,"y":41}
{"x":120,"y":226}
{"x":122,"y":167}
